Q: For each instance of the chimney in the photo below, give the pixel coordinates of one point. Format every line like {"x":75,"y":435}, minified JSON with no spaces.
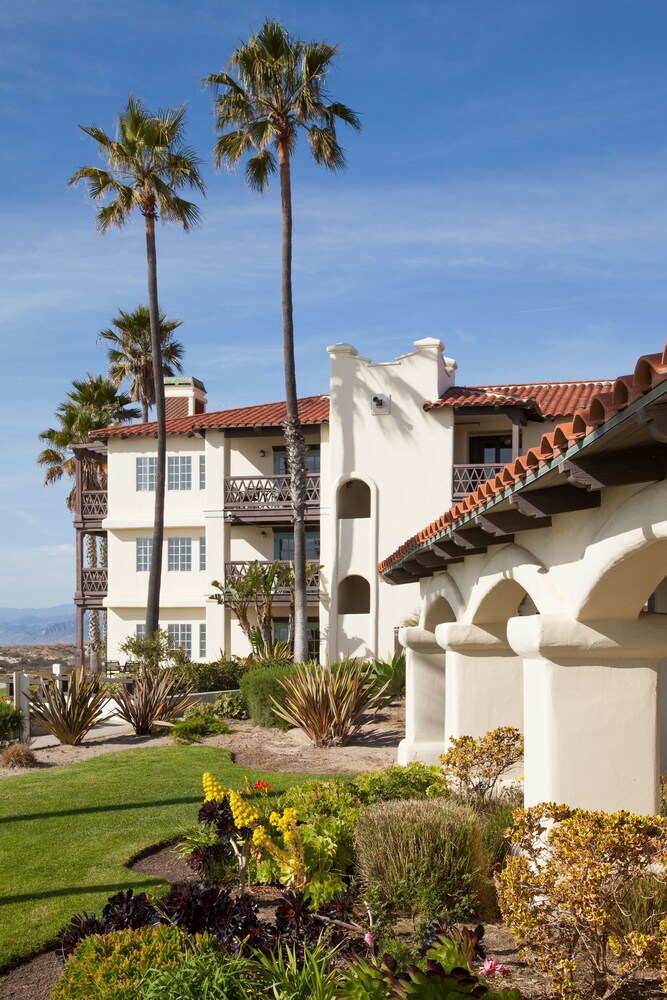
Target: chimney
{"x":185,"y":396}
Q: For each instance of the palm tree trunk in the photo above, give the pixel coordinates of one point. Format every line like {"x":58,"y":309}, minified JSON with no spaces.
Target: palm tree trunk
{"x":155,"y":577}
{"x":144,"y":409}
{"x":294,"y":441}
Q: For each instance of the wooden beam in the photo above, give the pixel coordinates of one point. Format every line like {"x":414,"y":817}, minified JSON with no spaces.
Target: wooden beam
{"x":475,"y":539}
{"x":449,"y":551}
{"x":504,"y":523}
{"x":559,"y":500}
{"x":399,"y":575}
{"x":618,"y":468}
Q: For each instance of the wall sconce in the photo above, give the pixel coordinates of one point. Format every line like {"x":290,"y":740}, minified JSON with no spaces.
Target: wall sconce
{"x":263,"y":534}
{"x":262,"y":453}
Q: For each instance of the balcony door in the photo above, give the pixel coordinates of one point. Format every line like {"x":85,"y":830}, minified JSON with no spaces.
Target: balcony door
{"x":280,"y":467}
{"x":490,"y":449}
{"x":283,"y":546}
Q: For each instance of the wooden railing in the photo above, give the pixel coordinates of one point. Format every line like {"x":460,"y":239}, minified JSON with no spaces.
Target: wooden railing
{"x":266,"y":493}
{"x":234,"y":570}
{"x":94,"y":505}
{"x":468,"y":477}
{"x":94,"y":581}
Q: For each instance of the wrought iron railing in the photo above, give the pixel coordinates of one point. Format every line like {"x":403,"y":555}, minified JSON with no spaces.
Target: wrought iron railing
{"x":94,"y":581}
{"x":244,"y":493}
{"x":94,"y":505}
{"x":468,"y":477}
{"x":234,"y":570}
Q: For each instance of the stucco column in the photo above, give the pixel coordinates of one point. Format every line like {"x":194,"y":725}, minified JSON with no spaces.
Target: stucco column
{"x":591,"y":710}
{"x":424,"y":697}
{"x":484,"y":679}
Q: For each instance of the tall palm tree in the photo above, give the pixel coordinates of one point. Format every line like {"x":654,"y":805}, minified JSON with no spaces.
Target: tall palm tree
{"x":276,"y":92}
{"x":147,"y":163}
{"x":91,"y":404}
{"x":130,"y":355}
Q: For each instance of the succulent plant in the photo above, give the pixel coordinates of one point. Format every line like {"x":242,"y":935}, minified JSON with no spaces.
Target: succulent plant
{"x":81,"y":926}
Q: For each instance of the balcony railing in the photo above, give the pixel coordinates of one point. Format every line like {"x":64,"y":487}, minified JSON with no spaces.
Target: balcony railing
{"x":94,"y":581}
{"x":94,"y":505}
{"x":468,"y":477}
{"x":259,"y":498}
{"x":234,"y":570}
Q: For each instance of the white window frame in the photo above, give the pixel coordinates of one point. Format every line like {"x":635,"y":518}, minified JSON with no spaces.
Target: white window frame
{"x":179,"y":555}
{"x":145,"y":473}
{"x":179,"y":472}
{"x":202,"y":554}
{"x":144,"y":554}
{"x":140,"y":630}
{"x":180,"y":636}
{"x":202,"y":640}
{"x":202,"y":472}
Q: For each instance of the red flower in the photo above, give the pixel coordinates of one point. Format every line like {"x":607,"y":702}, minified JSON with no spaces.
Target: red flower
{"x":263,"y":786}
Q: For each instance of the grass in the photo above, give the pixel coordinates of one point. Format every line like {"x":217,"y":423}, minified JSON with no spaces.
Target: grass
{"x":68,"y":833}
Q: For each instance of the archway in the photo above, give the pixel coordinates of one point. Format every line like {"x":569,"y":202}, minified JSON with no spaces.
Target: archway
{"x":354,"y":499}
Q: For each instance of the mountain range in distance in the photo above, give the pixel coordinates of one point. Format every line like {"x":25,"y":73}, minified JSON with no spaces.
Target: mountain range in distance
{"x":37,"y":626}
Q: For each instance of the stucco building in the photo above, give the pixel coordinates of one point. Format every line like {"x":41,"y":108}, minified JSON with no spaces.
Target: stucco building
{"x":389,"y":445}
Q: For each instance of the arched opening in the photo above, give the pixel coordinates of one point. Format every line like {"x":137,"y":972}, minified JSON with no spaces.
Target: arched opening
{"x":507,"y":599}
{"x":439,"y":611}
{"x":354,"y":499}
{"x":354,"y":596}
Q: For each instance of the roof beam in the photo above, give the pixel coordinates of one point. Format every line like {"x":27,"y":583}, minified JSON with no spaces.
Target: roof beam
{"x":618,"y":468}
{"x":504,"y":523}
{"x":451,"y":551}
{"x":559,"y":500}
{"x":475,"y":539}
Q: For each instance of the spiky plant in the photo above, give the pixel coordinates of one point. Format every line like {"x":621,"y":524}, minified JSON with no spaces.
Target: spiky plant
{"x":155,"y":698}
{"x":69,"y":716}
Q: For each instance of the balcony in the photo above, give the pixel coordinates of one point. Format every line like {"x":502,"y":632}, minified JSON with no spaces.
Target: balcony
{"x":92,"y":511}
{"x":267,"y":499}
{"x":468,"y":477}
{"x":233,"y":570}
{"x":93,"y":587}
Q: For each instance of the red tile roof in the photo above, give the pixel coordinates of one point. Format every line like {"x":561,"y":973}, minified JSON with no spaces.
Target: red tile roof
{"x":312,"y":410}
{"x":650,"y":371}
{"x":551,"y":399}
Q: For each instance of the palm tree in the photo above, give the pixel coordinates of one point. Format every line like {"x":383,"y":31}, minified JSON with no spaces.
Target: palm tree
{"x":277,"y":92}
{"x":91,"y":404}
{"x":148,"y":163}
{"x":130,"y":354}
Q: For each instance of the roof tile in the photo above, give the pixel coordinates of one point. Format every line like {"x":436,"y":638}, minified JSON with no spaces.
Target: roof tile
{"x":551,"y":399}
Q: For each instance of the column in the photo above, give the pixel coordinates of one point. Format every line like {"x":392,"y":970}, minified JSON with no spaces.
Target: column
{"x":424,"y":697}
{"x":591,"y":709}
{"x":484,"y":679}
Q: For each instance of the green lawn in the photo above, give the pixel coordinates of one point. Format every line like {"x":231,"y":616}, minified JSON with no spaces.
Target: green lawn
{"x":67,"y":833}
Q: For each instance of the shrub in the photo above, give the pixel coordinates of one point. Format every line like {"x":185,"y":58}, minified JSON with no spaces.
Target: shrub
{"x":148,"y":653}
{"x":230,"y":706}
{"x":152,"y":701}
{"x":222,"y":675}
{"x":260,"y":690}
{"x":327,"y":702}
{"x":113,"y":966}
{"x":412,"y":781}
{"x":18,"y":755}
{"x":390,"y":675}
{"x":422,"y":857}
{"x":200,"y":975}
{"x":70,"y":716}
{"x":564,"y":895}
{"x":10,"y":722}
{"x":198,"y":727}
{"x":475,"y":766}
{"x":298,"y":974}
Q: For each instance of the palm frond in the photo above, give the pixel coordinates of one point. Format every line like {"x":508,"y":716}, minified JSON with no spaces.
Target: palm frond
{"x":326,"y":150}
{"x":259,"y":169}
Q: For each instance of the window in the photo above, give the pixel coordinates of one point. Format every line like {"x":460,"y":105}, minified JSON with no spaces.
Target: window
{"x":491,"y":449}
{"x":140,"y":630}
{"x":179,"y":472}
{"x":280,"y":467}
{"x":283,"y":545}
{"x":281,"y":634}
{"x":202,"y":472}
{"x":180,"y":637}
{"x":145,"y":469}
{"x":202,"y":553}
{"x":144,"y":551}
{"x":202,"y":642}
{"x":179,"y":554}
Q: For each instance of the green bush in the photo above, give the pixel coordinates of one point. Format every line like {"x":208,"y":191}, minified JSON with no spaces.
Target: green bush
{"x":413,"y":781}
{"x":221,"y":675}
{"x":259,"y":687}
{"x":198,"y":727}
{"x":230,"y":706}
{"x":423,"y":857}
{"x":208,"y":975}
{"x":10,"y":721}
{"x":113,"y":966}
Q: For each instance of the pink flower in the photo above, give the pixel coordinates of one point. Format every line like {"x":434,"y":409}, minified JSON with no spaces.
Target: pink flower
{"x":369,"y":939}
{"x":505,"y":971}
{"x":490,"y":967}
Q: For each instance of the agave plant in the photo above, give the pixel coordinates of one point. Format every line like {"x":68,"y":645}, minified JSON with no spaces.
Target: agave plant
{"x":327,"y":703}
{"x":70,"y":715}
{"x":155,"y":698}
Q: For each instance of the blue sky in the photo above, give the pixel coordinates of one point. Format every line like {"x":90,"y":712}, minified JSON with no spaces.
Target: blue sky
{"x":507,"y":194}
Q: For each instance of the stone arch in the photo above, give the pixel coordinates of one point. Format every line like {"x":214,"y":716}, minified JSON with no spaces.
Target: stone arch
{"x":503,"y":581}
{"x":625,"y":561}
{"x":442,"y":597}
